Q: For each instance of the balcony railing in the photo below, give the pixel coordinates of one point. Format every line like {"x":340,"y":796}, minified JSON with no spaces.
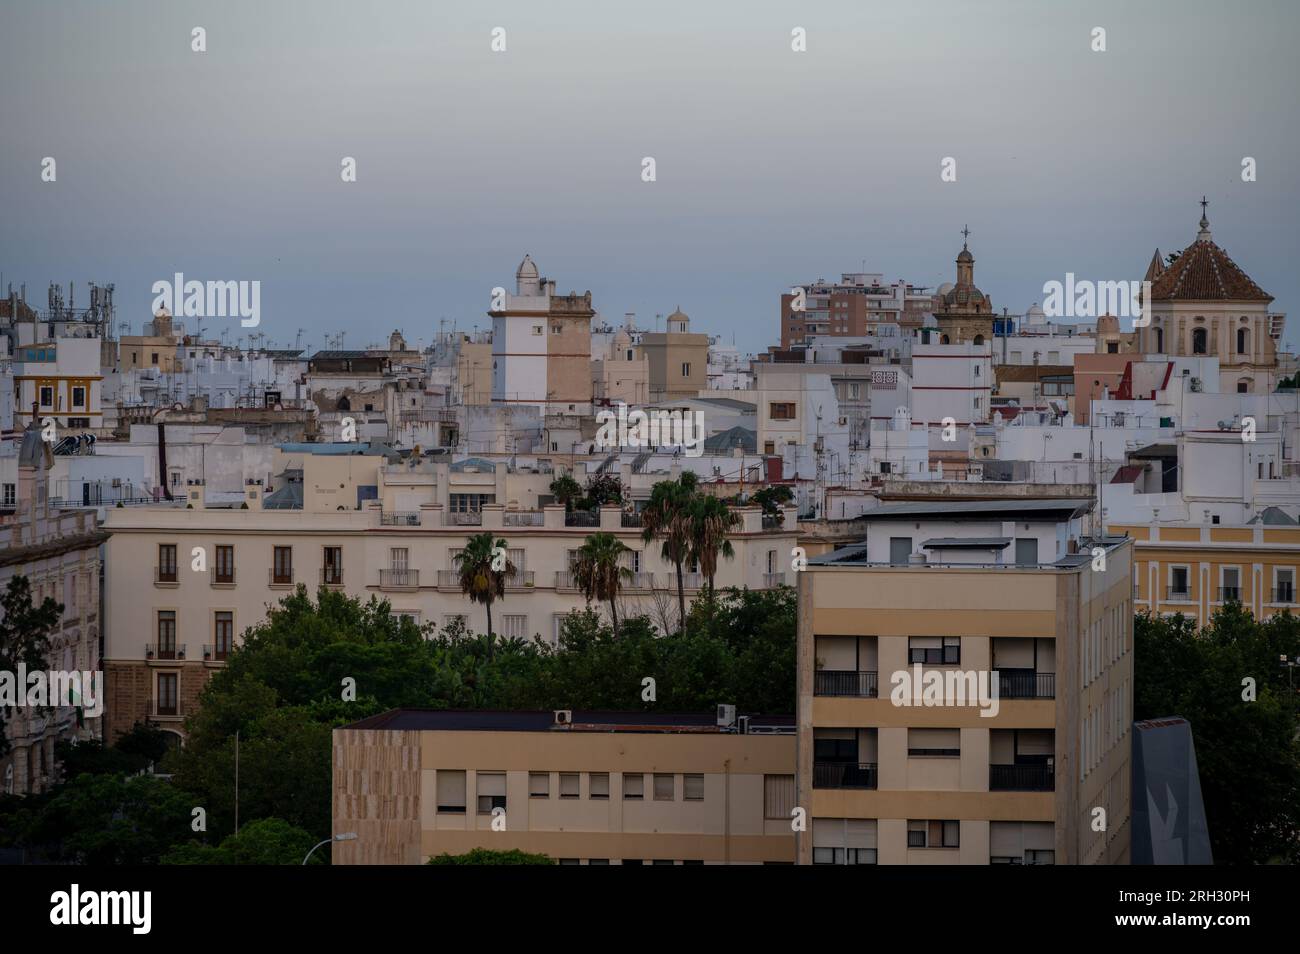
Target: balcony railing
{"x":223,"y":577}
{"x":519,"y":580}
{"x":690,"y":581}
{"x":1021,"y":778}
{"x":524,"y":518}
{"x":1230,"y":594}
{"x":1178,"y":594}
{"x":164,"y":651}
{"x":216,"y":652}
{"x":393,"y":518}
{"x":631,"y":520}
{"x":167,"y":709}
{"x":565,"y":580}
{"x":844,"y":775}
{"x":1026,"y":684}
{"x":1284,"y":594}
{"x":582,"y":518}
{"x":280,"y":577}
{"x":845,"y":682}
{"x":396,"y":579}
{"x":331,"y":576}
{"x":164,"y":574}
{"x":773,"y":580}
{"x":465,"y":519}
{"x":639,"y":581}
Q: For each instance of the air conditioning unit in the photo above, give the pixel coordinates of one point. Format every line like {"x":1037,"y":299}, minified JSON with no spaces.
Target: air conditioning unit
{"x":743,"y":723}
{"x":726,"y":715}
{"x":564,"y":717}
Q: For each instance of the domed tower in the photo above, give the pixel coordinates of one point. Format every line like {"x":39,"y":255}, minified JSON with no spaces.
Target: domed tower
{"x":965,"y":312}
{"x":528,"y":281}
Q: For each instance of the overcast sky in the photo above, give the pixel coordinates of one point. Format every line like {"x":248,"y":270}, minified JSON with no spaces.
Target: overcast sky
{"x":773,"y":167}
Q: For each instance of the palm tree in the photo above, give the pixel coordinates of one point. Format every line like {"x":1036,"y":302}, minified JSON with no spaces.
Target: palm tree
{"x":599,"y":572}
{"x":710,"y":522}
{"x":667,"y":517}
{"x":479,"y":580}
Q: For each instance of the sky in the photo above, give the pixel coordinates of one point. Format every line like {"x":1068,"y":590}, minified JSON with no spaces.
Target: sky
{"x":772,"y":166}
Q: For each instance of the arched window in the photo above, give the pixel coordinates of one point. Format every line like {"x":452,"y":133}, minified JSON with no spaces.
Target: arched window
{"x":979,"y":339}
{"x":1160,"y":341}
{"x":1243,"y":340}
{"x":344,"y":404}
{"x":1198,"y":341}
{"x":944,"y":340}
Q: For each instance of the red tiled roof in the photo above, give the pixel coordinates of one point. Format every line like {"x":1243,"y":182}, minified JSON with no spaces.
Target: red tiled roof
{"x":1127,"y":474}
{"x":1204,"y":272}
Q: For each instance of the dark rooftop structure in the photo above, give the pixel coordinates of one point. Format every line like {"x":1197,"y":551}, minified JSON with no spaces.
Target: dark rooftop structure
{"x":581,"y":720}
{"x":1027,"y":508}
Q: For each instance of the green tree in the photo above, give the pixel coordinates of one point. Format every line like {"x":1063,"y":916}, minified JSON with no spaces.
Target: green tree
{"x":566,"y":490}
{"x":667,"y":517}
{"x":267,"y":841}
{"x":710,"y":523}
{"x":484,"y":567}
{"x":1247,"y":752}
{"x":599,"y":571}
{"x":24,"y":640}
{"x":771,"y":497}
{"x":602,"y":489}
{"x":488,"y":856}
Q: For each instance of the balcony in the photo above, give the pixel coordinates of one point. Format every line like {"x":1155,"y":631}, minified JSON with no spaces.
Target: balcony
{"x":564,"y":580}
{"x":1028,"y":777}
{"x":213,"y":652}
{"x":396,"y":518}
{"x":331,"y":576}
{"x":164,"y":651}
{"x":165,"y":709}
{"x":1026,"y":684}
{"x":1284,"y":595}
{"x":1178,"y":594}
{"x":582,"y":518}
{"x":772,"y":580}
{"x":631,"y":520}
{"x":280,"y":577}
{"x":399,"y":579}
{"x":524,"y":518}
{"x":690,"y":581}
{"x":844,"y":775}
{"x":165,"y":576}
{"x":222,"y":576}
{"x":1230,"y":594}
{"x":462,"y":519}
{"x":639,"y":581}
{"x":520,"y":580}
{"x":845,"y":682}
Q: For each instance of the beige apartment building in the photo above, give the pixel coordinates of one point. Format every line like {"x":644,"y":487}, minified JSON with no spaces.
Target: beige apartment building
{"x":958,"y":590}
{"x":169,"y":625}
{"x":594,"y":788}
{"x":1196,"y":569}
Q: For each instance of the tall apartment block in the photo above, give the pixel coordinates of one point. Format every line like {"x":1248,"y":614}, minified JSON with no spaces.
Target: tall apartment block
{"x":595,"y":788}
{"x":952,"y":592}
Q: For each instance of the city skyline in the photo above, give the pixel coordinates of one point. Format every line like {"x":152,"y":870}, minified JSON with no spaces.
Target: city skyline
{"x":772,"y":166}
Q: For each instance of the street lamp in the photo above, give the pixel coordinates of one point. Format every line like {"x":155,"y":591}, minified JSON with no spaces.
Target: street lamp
{"x":346,"y":836}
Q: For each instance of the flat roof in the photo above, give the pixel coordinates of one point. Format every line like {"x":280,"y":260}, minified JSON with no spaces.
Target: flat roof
{"x":1016,"y":507}
{"x":972,"y":543}
{"x":506,"y":720}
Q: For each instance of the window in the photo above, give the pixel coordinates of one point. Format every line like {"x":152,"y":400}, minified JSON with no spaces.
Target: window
{"x":282,"y":567}
{"x":451,"y":791}
{"x":778,"y":796}
{"x":598,"y":785}
{"x":491,"y":791}
{"x":686,"y":369}
{"x":224,"y":571}
{"x":1178,"y":582}
{"x":934,"y":650}
{"x":933,"y":834}
{"x":900,"y":549}
{"x":570,"y":785}
{"x":1243,"y":387}
{"x":79,"y":397}
{"x":934,"y":743}
{"x":514,"y":627}
{"x":154,"y":358}
{"x":224,"y":634}
{"x":844,"y":841}
{"x":769,"y":447}
{"x":633,"y":786}
{"x":1199,"y":340}
{"x":1284,"y":586}
{"x":1243,"y":341}
{"x":1026,"y":551}
{"x":1112,"y":347}
{"x":332,"y":571}
{"x":781,"y":410}
{"x":167,"y":699}
{"x":1231,"y":584}
{"x":470,"y":503}
{"x":557,"y":329}
{"x":78,"y":422}
{"x":11,"y":495}
{"x":665,"y":787}
{"x":47,"y":396}
{"x":398,"y":558}
{"x":166,"y":634}
{"x":693,"y":787}
{"x":570,"y":861}
{"x":597,"y":861}
{"x":166,"y":563}
{"x":539,"y":784}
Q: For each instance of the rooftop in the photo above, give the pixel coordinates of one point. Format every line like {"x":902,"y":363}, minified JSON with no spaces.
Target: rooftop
{"x":1015,"y":509}
{"x":500,"y":720}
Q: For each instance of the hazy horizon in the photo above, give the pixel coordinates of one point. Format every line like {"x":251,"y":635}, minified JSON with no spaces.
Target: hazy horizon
{"x":773,"y":167}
